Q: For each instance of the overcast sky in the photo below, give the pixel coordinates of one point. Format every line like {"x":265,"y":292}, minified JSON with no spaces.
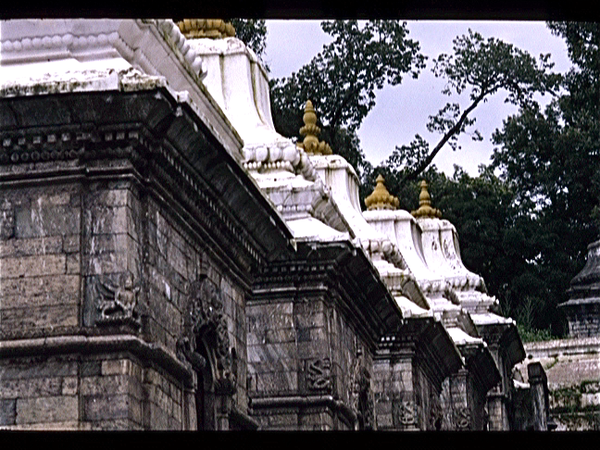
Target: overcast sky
{"x":402,"y":110}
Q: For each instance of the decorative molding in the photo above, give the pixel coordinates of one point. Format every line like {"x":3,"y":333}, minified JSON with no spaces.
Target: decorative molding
{"x":205,"y":339}
{"x":113,"y":41}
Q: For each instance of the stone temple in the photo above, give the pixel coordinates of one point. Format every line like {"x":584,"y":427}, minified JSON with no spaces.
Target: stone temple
{"x":168,"y":261}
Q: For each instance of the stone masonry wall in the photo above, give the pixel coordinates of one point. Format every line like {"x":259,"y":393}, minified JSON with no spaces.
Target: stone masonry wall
{"x":40,"y":260}
{"x":303,"y":350}
{"x":63,"y":249}
{"x":395,"y":407}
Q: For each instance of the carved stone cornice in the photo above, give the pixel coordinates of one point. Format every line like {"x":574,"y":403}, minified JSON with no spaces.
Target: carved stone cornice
{"x":165,"y":143}
{"x":425,"y":339}
{"x":338,"y":272}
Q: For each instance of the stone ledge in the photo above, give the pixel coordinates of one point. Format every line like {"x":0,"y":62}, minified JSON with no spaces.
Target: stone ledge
{"x":98,"y":344}
{"x":559,"y":347}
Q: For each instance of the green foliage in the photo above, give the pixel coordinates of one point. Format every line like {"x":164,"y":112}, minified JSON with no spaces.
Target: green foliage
{"x":525,"y":221}
{"x":481,"y":68}
{"x":253,"y":32}
{"x":551,"y":158}
{"x":342,"y":79}
{"x":533,"y":335}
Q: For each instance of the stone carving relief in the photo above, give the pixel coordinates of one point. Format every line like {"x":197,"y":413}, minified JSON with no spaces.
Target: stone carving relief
{"x":205,"y":340}
{"x":462,"y":418}
{"x":404,"y":413}
{"x":116,"y":302}
{"x":435,"y":413}
{"x":7,"y":220}
{"x":366,"y":403}
{"x":318,"y":374}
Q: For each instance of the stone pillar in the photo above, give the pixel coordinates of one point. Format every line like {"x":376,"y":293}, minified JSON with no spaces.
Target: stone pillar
{"x":539,"y":396}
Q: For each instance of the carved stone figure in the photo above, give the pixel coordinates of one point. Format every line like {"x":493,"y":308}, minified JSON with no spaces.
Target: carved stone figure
{"x":366,"y":403}
{"x":116,"y":304}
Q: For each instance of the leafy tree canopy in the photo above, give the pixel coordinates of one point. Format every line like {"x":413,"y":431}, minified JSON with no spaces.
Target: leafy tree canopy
{"x":480,"y":67}
{"x":342,"y":80}
{"x":253,"y":32}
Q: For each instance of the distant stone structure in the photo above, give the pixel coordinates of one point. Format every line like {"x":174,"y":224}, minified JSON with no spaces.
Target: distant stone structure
{"x":168,"y":261}
{"x":572,"y":365}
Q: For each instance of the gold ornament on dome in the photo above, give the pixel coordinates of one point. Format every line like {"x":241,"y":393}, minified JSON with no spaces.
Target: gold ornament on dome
{"x":425,"y":209}
{"x":206,"y":28}
{"x":380,"y":198}
{"x":311,"y":131}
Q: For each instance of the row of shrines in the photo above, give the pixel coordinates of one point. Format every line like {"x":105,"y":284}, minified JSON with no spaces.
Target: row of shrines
{"x":168,"y":261}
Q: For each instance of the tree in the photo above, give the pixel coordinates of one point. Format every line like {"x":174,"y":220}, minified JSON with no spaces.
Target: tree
{"x":481,"y":67}
{"x":253,"y":32}
{"x":551,"y":158}
{"x":342,"y":79}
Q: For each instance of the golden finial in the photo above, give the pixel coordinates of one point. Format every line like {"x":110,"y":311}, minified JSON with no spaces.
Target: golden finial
{"x":425,"y":209}
{"x":380,"y":198}
{"x":206,"y":28}
{"x":311,"y":131}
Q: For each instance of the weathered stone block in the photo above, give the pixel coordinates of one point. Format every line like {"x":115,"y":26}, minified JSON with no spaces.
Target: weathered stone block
{"x":158,"y":417}
{"x":122,"y":367}
{"x":74,"y":263}
{"x":32,"y":387}
{"x":71,"y":244}
{"x":47,"y":409}
{"x":39,"y":317}
{"x":111,"y":385}
{"x":33,"y":246}
{"x":103,"y":407}
{"x":39,"y":221}
{"x":35,"y":291}
{"x":69,"y":386}
{"x":8,"y":412}
{"x":111,"y":220}
{"x":32,"y":266}
{"x":270,"y":382}
{"x":41,"y":367}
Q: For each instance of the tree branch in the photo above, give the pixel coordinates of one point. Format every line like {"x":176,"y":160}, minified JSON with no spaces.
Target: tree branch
{"x":451,"y":132}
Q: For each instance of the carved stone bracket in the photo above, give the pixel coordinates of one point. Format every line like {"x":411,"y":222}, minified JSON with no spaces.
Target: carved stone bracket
{"x":205,"y":339}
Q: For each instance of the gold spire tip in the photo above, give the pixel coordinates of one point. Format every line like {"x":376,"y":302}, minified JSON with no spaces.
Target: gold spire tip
{"x":380,"y":198}
{"x":206,"y":28}
{"x":311,"y":131}
{"x":425,"y":209}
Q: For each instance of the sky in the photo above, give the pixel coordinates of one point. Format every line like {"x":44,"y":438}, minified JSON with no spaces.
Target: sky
{"x":402,"y":111}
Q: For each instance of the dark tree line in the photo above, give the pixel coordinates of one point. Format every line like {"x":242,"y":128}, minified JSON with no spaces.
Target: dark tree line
{"x":525,"y":221}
